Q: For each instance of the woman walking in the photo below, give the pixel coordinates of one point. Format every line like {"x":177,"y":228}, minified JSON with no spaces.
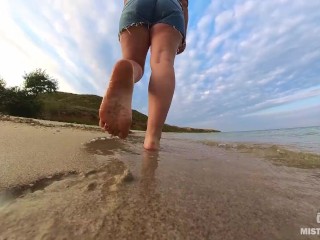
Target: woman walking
{"x":161,"y":26}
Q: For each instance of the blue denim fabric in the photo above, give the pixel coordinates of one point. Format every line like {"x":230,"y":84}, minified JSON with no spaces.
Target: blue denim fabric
{"x":151,"y":12}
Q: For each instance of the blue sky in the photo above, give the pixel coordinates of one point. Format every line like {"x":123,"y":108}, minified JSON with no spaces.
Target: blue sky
{"x":249,"y":64}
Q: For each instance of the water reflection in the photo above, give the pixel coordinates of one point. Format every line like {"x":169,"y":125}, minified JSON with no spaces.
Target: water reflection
{"x":149,"y":165}
{"x":150,"y":201}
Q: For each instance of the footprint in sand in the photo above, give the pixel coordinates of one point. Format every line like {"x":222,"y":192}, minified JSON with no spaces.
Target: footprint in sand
{"x":115,"y":110}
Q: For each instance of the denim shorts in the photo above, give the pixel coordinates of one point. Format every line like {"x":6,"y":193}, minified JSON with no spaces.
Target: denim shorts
{"x":151,"y":12}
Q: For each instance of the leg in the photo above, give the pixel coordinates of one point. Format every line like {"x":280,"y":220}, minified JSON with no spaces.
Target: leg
{"x":115,"y":110}
{"x":165,"y":41}
{"x":135,"y":44}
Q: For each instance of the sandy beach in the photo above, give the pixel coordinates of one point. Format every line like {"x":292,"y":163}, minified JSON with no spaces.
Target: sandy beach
{"x":59,"y":181}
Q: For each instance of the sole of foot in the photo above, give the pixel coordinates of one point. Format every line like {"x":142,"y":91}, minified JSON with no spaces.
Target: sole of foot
{"x":115,"y":110}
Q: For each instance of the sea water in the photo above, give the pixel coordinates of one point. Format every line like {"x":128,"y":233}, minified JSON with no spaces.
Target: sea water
{"x":304,"y":139}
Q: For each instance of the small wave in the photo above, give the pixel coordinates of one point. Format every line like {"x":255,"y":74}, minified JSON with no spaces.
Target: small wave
{"x":312,"y":133}
{"x":279,"y":155}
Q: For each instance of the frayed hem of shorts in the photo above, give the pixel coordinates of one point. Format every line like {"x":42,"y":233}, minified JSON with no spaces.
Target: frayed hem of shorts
{"x":133,"y":25}
{"x":148,"y":26}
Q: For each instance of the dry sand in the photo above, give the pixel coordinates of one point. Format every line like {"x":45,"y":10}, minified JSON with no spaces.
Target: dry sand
{"x":61,"y":182}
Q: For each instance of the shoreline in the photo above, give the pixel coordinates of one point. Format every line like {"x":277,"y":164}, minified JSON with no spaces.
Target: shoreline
{"x":277,"y":154}
{"x":49,"y":123}
{"x":308,"y":141}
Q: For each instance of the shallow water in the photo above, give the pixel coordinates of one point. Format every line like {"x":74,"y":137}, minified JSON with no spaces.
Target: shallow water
{"x":187,"y":190}
{"x":306,"y":139}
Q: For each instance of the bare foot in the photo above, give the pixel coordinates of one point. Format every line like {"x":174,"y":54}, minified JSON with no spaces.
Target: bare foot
{"x":115,"y":110}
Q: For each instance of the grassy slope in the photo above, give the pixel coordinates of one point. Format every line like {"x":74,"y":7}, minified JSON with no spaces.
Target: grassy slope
{"x":74,"y":108}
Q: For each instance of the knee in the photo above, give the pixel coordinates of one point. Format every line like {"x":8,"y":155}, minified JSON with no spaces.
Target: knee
{"x":161,"y":61}
{"x":162,"y":66}
{"x":162,"y":56}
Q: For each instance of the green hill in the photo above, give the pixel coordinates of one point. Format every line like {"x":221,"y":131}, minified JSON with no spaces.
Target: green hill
{"x":83,"y":109}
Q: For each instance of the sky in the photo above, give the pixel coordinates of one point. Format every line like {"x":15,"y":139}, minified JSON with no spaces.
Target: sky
{"x":249,"y":64}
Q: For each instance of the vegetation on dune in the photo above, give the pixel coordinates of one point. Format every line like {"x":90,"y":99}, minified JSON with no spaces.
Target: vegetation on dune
{"x":23,"y":102}
{"x":38,"y":82}
{"x":75,"y":108}
{"x":39,"y":99}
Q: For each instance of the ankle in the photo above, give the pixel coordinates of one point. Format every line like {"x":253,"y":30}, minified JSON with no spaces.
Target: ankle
{"x":151,"y":142}
{"x":151,"y":145}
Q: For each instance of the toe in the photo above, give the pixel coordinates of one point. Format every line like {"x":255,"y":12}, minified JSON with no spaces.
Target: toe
{"x":116,"y":132}
{"x":106,"y":127}
{"x":111,"y":130}
{"x":101,"y":124}
{"x":123,"y":134}
{"x":110,"y":133}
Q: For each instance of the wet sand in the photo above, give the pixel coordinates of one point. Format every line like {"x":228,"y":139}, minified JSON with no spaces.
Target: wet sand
{"x":62,"y":182}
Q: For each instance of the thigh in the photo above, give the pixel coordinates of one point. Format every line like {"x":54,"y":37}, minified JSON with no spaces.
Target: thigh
{"x":134,"y":30}
{"x":135,"y":43}
{"x":165,"y":41}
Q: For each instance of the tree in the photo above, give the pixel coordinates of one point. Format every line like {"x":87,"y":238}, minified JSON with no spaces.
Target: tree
{"x":39,"y":81}
{"x":2,"y":84}
{"x":19,"y":102}
{"x":2,"y":94}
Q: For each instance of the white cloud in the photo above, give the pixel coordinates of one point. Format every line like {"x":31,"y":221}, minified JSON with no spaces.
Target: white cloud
{"x":62,"y":37}
{"x":242,"y":57}
{"x":261,"y":54}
